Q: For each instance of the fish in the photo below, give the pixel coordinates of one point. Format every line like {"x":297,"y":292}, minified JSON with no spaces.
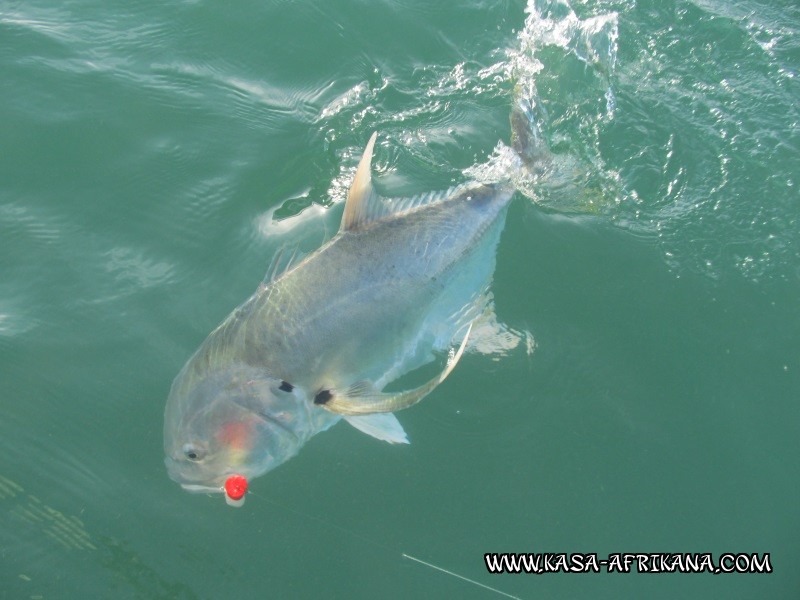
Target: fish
{"x":401,"y":284}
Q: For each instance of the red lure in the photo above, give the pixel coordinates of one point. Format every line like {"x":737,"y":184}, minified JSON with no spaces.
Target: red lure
{"x":236,"y":487}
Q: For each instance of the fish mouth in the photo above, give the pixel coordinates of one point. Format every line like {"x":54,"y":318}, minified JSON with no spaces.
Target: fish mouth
{"x":202,"y":489}
{"x":209,"y":487}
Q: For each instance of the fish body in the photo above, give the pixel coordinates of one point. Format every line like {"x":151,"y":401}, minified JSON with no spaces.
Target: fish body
{"x":400,"y":281}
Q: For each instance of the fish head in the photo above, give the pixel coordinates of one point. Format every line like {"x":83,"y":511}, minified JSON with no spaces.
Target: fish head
{"x":234,"y":420}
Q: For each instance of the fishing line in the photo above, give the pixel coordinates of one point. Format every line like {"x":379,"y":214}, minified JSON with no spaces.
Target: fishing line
{"x":389,"y":549}
{"x":432,"y":566}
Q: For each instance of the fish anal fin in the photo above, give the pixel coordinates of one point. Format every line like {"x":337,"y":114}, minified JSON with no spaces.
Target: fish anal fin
{"x":490,"y":336}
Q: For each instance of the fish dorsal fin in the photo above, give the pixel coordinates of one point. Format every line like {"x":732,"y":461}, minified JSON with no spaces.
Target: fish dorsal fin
{"x":283,"y":260}
{"x":364,"y":205}
{"x":383,"y":207}
{"x":409,"y":203}
{"x":362,"y":196}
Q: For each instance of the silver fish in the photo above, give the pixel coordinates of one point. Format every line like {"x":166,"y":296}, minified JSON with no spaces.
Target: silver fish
{"x":402,"y":280}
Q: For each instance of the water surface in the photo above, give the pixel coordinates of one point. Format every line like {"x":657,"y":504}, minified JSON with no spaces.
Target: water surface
{"x":156,"y":155}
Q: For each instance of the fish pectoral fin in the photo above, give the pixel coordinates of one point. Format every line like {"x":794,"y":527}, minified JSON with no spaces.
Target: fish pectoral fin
{"x":363,"y":399}
{"x":382,"y":426}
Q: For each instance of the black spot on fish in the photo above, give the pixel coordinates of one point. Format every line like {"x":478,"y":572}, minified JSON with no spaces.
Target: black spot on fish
{"x":286,"y":386}
{"x":323,"y":397}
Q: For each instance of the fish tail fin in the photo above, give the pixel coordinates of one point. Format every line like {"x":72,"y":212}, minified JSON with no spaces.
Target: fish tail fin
{"x":526,"y":135}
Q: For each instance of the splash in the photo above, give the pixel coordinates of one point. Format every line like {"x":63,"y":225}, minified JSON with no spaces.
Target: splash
{"x":554,"y":24}
{"x":665,"y":140}
{"x":682,"y":142}
{"x":560,"y":65}
{"x":561,"y":68}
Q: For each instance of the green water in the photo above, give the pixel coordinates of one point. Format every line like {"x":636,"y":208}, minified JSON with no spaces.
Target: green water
{"x":153,"y":156}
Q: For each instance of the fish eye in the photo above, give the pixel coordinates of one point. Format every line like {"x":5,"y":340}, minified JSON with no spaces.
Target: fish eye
{"x":193,"y":452}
